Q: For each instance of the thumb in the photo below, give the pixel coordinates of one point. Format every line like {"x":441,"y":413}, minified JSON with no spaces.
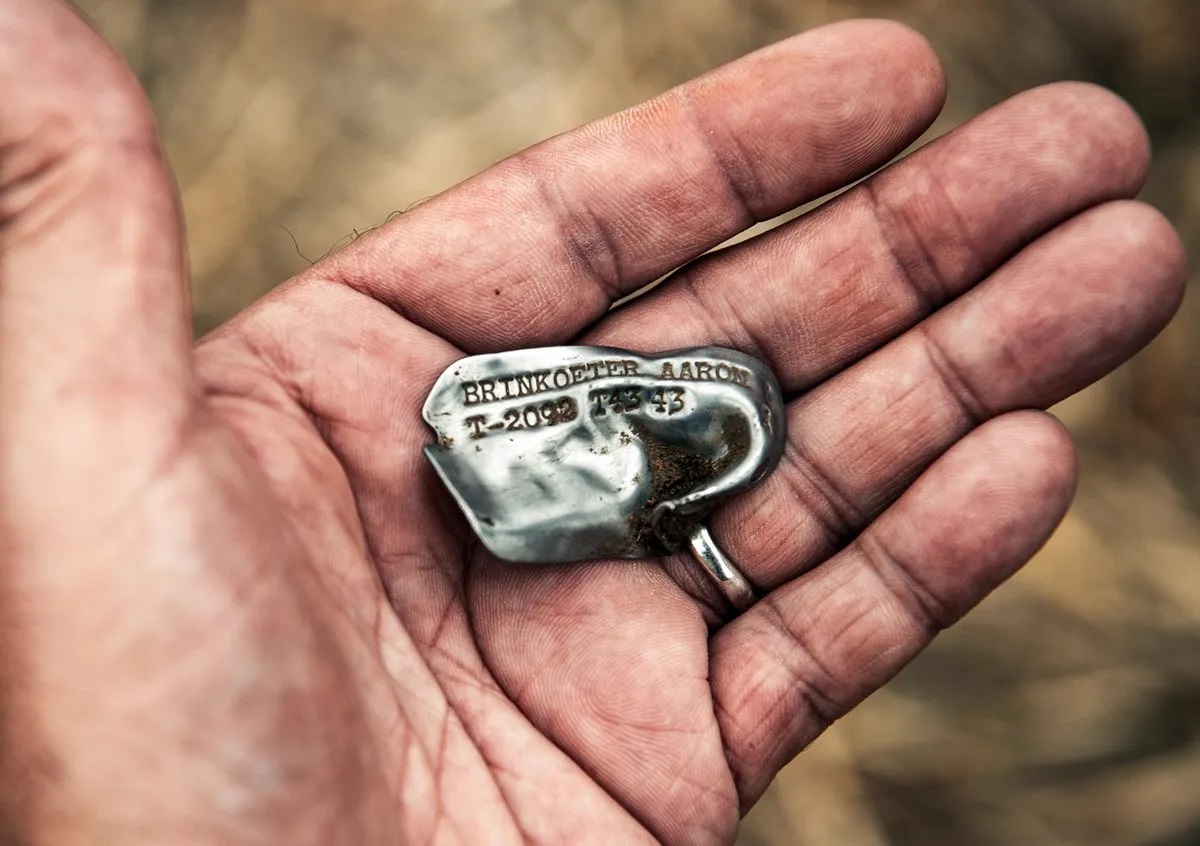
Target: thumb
{"x":94,"y":329}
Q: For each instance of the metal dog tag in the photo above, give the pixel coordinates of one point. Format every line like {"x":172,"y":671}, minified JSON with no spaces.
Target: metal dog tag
{"x":575,"y":453}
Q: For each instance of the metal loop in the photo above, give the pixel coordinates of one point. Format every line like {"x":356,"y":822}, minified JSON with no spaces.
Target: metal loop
{"x":720,"y":569}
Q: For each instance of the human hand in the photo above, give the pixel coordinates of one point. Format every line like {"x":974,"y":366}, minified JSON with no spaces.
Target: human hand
{"x":238,"y":605}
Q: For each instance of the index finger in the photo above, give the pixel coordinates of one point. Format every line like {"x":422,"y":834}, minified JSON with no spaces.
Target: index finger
{"x":537,"y":247}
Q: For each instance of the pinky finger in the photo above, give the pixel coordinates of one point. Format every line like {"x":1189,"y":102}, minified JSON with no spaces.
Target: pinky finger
{"x":817,"y":646}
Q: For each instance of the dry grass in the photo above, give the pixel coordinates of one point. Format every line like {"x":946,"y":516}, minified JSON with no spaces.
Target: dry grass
{"x":1067,"y":710}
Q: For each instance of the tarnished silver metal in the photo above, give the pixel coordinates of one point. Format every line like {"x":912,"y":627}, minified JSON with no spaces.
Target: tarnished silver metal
{"x":720,"y":569}
{"x":578,"y":453}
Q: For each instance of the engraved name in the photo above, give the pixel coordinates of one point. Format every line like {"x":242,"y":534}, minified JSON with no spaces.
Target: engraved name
{"x":706,"y":371}
{"x":534,"y":382}
{"x":544,"y":381}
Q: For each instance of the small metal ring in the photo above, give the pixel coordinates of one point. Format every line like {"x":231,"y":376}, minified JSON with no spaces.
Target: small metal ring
{"x":728,"y":578}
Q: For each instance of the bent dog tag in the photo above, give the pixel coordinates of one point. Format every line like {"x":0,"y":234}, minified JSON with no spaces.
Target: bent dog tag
{"x":576,"y":453}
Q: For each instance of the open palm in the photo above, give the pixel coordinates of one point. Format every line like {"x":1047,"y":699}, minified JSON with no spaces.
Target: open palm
{"x":239,"y":607}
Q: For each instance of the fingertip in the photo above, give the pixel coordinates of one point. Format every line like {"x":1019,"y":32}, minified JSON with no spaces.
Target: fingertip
{"x":1145,"y":249}
{"x":1153,"y":238}
{"x":899,"y":55}
{"x":987,"y":505}
{"x":827,"y":105}
{"x":909,"y":46}
{"x":1106,"y":121}
{"x":1037,"y":439}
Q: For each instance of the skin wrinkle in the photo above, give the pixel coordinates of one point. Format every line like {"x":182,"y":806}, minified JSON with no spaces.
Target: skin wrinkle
{"x":358,"y":281}
{"x":722,"y":301}
{"x":47,"y":185}
{"x":476,"y":552}
{"x":45,"y":173}
{"x":438,"y":764}
{"x":788,"y":699}
{"x":499,"y":772}
{"x":956,"y":383}
{"x":798,"y":699}
{"x":460,"y":671}
{"x":855,"y":640}
{"x":279,"y":354}
{"x":245,"y":414}
{"x":441,"y":628}
{"x":400,"y":726}
{"x":240,"y":369}
{"x":412,"y":560}
{"x":918,"y":265}
{"x":436,"y":757}
{"x":657,"y":729}
{"x":435,"y":761}
{"x":246,"y":421}
{"x":714,"y":608}
{"x":963,"y":237}
{"x":408,"y":743}
{"x":918,"y":271}
{"x":638,"y":814}
{"x":516,"y":693}
{"x":834,"y":511}
{"x":275,"y":363}
{"x":736,"y":172}
{"x":583,"y":232}
{"x":618,"y":797}
{"x":1013,"y":366}
{"x":712,"y":793}
{"x":688,"y":283}
{"x":805,"y":374}
{"x":924,"y":609}
{"x":826,"y":706}
{"x":437,"y":815}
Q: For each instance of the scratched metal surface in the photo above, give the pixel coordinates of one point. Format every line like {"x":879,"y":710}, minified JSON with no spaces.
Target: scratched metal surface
{"x":1067,"y":709}
{"x":579,"y":453}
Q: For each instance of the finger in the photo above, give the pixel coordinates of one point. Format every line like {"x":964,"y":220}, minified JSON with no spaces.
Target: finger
{"x":824,"y":290}
{"x":1066,"y":310}
{"x":537,"y":247}
{"x":93,"y":267}
{"x":814,"y":648}
{"x":93,"y":314}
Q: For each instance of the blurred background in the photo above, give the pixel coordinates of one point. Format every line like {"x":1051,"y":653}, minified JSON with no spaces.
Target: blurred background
{"x":1067,"y":709}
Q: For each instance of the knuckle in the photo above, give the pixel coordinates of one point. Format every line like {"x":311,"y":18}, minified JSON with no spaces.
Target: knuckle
{"x":924,"y":608}
{"x":812,"y":678}
{"x":581,"y":230}
{"x":733,"y":165}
